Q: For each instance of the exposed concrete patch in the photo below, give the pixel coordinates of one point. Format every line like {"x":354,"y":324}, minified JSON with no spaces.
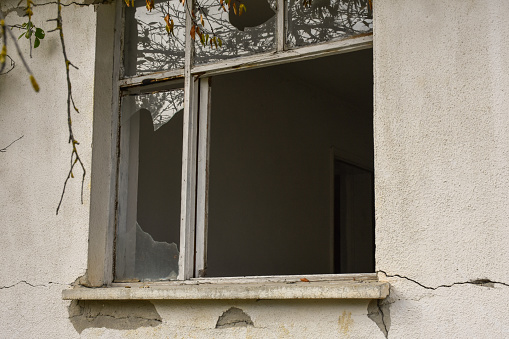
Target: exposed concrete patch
{"x":234,"y":317}
{"x":380,"y":313}
{"x":118,"y":315}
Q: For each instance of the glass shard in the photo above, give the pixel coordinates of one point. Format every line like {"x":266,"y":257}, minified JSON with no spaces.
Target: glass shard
{"x":155,"y":260}
{"x":315,"y":21}
{"x":149,"y":47}
{"x":251,"y":32}
{"x":162,"y":105}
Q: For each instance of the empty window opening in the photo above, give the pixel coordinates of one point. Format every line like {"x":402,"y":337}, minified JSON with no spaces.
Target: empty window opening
{"x":272,"y":201}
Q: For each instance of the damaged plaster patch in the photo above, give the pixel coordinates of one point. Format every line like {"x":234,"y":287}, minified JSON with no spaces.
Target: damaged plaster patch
{"x":380,"y":313}
{"x":117,"y":315}
{"x":234,"y":317}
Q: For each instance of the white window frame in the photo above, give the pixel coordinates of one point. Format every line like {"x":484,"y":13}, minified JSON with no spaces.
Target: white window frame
{"x":192,"y":260}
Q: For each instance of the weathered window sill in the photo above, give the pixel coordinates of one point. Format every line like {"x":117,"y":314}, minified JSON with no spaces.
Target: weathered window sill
{"x":318,"y":287}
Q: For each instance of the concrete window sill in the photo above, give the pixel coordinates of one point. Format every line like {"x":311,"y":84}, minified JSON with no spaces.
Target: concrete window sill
{"x":355,"y":286}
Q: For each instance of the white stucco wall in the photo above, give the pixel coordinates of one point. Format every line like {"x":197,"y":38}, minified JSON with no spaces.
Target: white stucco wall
{"x":442,"y":164}
{"x":442,"y":184}
{"x":40,"y":252}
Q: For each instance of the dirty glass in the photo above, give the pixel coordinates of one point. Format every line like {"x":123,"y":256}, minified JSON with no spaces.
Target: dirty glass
{"x":315,"y":21}
{"x":148,"y":46}
{"x":148,"y":231}
{"x":251,"y":32}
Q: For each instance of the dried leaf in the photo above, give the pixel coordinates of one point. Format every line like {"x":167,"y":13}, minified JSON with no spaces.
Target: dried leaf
{"x":149,"y":5}
{"x":242,"y":8}
{"x":304,"y":280}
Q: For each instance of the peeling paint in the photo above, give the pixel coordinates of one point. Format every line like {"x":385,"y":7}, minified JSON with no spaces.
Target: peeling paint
{"x":120,"y":315}
{"x":379,"y":312}
{"x":234,"y":317}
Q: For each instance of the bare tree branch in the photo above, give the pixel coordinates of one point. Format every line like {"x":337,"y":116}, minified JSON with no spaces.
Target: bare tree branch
{"x":75,"y":157}
{"x":3,"y":150}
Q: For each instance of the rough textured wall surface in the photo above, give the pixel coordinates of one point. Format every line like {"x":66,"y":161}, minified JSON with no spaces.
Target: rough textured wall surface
{"x":442,"y":165}
{"x":42,"y":253}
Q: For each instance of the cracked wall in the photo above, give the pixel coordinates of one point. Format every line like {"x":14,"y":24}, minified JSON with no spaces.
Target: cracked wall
{"x":42,"y":253}
{"x":442,"y":192}
{"x":441,"y":155}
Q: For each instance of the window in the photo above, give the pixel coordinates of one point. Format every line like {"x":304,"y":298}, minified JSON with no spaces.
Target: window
{"x":251,"y":159}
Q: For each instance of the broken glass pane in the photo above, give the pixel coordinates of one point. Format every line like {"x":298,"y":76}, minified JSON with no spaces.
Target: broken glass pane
{"x":315,"y":21}
{"x":148,"y":229}
{"x":162,"y":106}
{"x":155,"y":260}
{"x":251,"y":32}
{"x":148,"y":45}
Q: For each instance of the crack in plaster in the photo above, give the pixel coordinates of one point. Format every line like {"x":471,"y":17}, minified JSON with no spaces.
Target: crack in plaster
{"x":379,"y":312}
{"x":32,"y":285}
{"x":478,"y":282}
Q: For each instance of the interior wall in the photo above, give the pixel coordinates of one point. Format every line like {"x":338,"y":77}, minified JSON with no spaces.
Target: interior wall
{"x":272,"y":130}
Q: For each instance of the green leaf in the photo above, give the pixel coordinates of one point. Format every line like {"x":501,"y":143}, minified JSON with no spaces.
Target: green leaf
{"x":21,"y":35}
{"x":37,"y":42}
{"x":39,"y":32}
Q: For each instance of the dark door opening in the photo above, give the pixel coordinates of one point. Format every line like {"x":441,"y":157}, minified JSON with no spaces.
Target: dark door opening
{"x":354,"y":225}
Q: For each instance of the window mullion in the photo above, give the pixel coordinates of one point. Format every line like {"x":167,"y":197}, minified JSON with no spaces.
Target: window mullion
{"x":280,"y":25}
{"x":188,"y":196}
{"x":202,"y":189}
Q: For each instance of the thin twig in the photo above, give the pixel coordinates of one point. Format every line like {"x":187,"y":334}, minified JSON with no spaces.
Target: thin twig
{"x":75,"y":157}
{"x":3,"y":150}
{"x":12,"y":65}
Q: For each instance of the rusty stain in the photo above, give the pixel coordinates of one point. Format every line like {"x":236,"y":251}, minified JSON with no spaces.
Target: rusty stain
{"x":345,"y":321}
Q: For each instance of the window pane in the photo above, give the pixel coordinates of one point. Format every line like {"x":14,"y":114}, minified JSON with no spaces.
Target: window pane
{"x":251,"y":32}
{"x":148,"y":46}
{"x":325,"y":20}
{"x":149,"y":212}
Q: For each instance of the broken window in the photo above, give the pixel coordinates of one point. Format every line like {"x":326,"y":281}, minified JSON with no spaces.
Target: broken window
{"x":249,"y":33}
{"x":246,"y":168}
{"x":148,"y":47}
{"x":149,"y":205}
{"x":326,"y":20}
